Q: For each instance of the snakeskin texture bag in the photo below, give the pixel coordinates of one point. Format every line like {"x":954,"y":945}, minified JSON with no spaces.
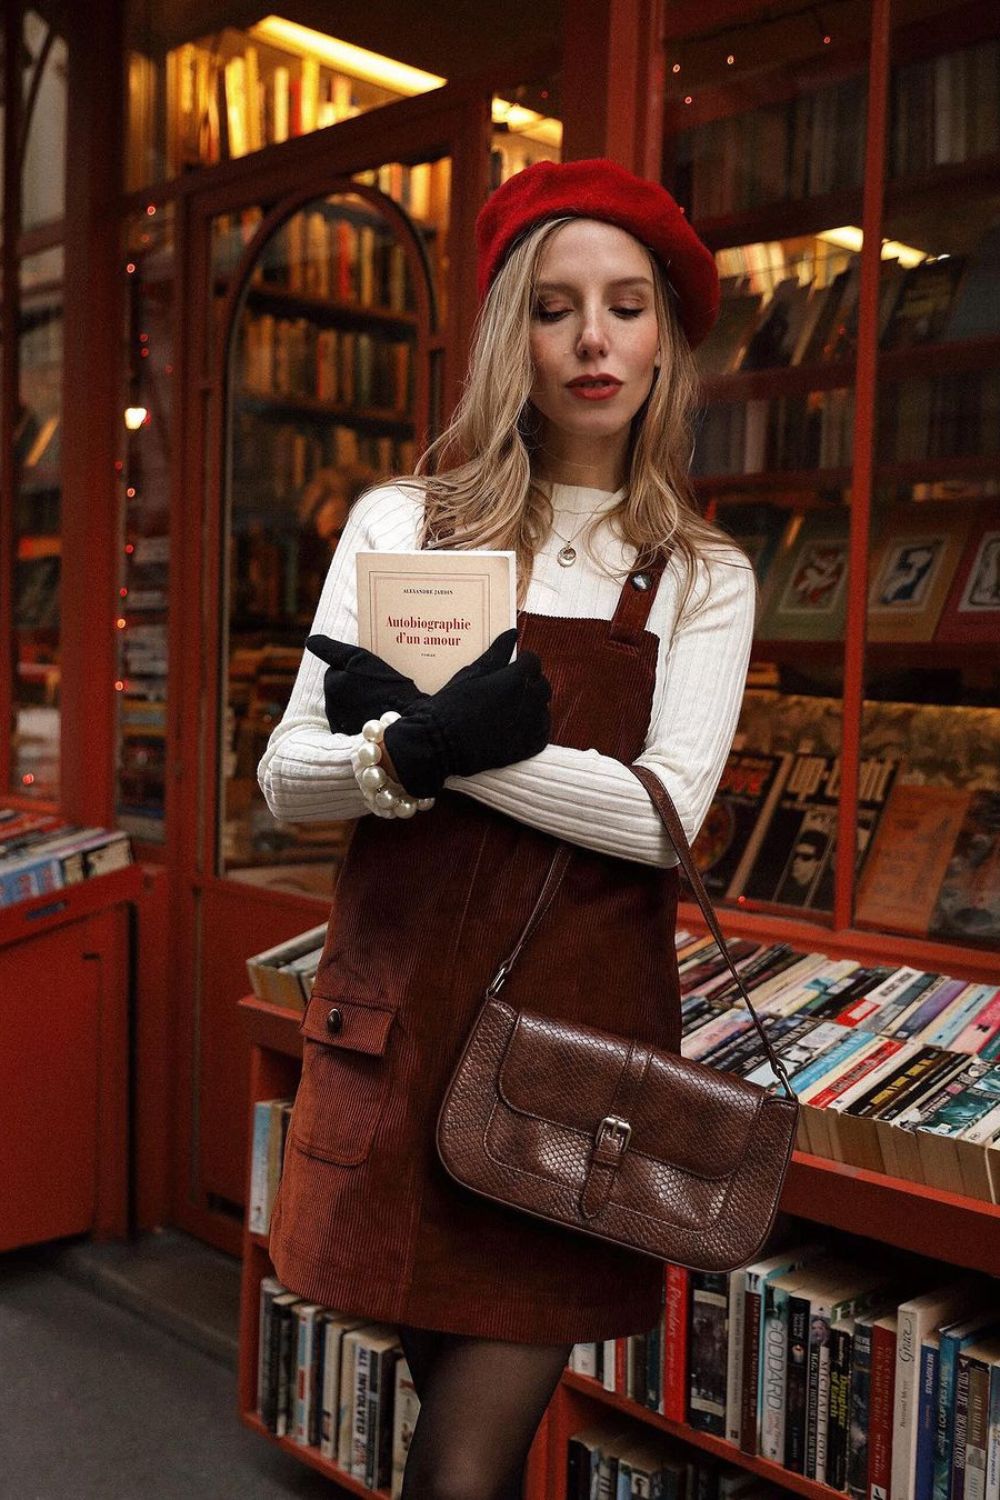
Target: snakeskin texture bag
{"x":609,"y":1135}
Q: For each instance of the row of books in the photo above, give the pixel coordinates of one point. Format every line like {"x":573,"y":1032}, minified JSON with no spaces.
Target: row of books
{"x":290,"y":453}
{"x":869,"y":1377}
{"x":615,"y":1459}
{"x":293,"y":357}
{"x":933,"y":418}
{"x":770,"y":317}
{"x":896,"y":1069}
{"x":933,"y":572}
{"x":927,"y":857}
{"x":284,"y":974}
{"x":337,"y":1383}
{"x":943,"y":109}
{"x":814,"y":431}
{"x":39,"y":853}
{"x":796,"y":149}
{"x":325,"y":252}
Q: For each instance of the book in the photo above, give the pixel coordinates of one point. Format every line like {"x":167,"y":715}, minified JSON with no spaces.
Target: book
{"x":916,"y":553}
{"x":968,"y":899}
{"x":737,"y":819}
{"x":971,"y":611}
{"x":405,"y":1410}
{"x":807,"y":585}
{"x":917,"y":1318}
{"x":909,"y":855}
{"x":430,"y":613}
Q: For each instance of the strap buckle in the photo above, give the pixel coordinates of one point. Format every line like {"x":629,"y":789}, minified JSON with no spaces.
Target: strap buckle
{"x":501,"y":974}
{"x":615,"y":1127}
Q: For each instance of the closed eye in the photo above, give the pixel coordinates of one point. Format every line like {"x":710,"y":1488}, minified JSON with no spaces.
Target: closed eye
{"x":545,"y":315}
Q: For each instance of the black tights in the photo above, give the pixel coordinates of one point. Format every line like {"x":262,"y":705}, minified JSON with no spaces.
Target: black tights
{"x":481,"y":1403}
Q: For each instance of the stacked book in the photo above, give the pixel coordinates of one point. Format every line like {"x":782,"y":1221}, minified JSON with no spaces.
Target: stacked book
{"x":39,"y":853}
{"x":870,"y":1378}
{"x":337,"y":1383}
{"x":897,"y":1069}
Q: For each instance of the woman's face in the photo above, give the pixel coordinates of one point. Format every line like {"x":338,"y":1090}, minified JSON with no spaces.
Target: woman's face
{"x":592,"y":314}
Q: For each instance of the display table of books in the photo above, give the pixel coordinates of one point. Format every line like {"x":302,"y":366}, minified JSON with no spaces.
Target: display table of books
{"x":830,"y":1366}
{"x":67,"y":899}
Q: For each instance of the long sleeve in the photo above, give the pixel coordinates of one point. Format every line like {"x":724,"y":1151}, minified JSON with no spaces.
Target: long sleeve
{"x":305,"y":772}
{"x":594,"y":800}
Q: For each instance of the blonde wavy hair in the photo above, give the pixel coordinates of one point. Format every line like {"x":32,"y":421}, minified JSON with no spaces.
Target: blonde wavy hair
{"x":478,"y":479}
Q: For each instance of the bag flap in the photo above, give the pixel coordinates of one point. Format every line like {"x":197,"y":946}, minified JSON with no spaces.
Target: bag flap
{"x":344,"y":1020}
{"x":695,"y":1117}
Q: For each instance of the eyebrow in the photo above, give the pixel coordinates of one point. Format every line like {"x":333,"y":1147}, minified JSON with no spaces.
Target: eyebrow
{"x":565,"y":286}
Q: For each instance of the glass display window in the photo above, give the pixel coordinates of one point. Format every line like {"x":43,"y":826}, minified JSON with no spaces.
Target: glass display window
{"x":333,"y":368}
{"x":932,"y":663}
{"x":143,"y":474}
{"x":37,"y":542}
{"x":766,"y":129}
{"x":43,"y":126}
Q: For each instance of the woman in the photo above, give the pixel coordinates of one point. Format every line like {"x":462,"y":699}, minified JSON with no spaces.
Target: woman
{"x":624,"y":654}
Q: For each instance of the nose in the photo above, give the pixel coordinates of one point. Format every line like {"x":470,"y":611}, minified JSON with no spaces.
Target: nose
{"x":593,"y":339}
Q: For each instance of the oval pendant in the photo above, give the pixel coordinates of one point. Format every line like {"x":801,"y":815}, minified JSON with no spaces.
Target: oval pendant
{"x":567,"y":555}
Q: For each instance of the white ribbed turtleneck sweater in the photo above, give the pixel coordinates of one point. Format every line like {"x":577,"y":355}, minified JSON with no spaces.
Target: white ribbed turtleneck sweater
{"x":580,"y":795}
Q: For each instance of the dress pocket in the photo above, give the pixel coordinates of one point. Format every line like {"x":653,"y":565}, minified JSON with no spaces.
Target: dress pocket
{"x":344,"y":1087}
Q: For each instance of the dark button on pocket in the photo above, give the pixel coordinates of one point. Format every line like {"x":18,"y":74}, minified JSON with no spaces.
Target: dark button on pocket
{"x":334,"y":1021}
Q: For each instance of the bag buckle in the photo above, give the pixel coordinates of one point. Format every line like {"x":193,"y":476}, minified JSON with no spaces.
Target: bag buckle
{"x":614,"y":1126}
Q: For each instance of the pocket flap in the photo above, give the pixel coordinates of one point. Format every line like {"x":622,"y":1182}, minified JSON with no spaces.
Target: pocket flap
{"x":346,"y":1021}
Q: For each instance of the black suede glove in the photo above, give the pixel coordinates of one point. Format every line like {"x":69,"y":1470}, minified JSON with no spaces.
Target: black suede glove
{"x":488,"y":714}
{"x":358,"y":686}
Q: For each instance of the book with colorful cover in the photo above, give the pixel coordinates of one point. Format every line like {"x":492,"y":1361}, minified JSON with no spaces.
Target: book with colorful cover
{"x":971,"y":612}
{"x":806,"y":590}
{"x":968,"y":900}
{"x":916,"y":554}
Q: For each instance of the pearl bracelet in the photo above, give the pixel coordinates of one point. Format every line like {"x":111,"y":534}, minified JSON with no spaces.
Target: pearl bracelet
{"x":386,"y":798}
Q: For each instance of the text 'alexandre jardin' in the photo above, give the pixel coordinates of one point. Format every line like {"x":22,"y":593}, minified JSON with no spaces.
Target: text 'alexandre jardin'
{"x":429,"y":632}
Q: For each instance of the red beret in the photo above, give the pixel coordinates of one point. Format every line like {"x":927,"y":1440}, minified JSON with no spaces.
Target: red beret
{"x":600,"y":189}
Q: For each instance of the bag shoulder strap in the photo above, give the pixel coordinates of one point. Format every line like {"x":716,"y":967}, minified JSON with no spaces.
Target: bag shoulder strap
{"x":668,"y":812}
{"x":664,"y":805}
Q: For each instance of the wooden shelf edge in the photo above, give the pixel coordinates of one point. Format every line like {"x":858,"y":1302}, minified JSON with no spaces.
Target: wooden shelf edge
{"x":51,"y":908}
{"x":719,"y":1447}
{"x":313,"y":1457}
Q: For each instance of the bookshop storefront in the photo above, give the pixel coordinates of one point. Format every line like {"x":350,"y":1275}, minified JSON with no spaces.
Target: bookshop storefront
{"x":238,"y":289}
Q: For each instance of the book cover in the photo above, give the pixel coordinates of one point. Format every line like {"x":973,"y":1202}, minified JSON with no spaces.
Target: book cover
{"x":728,"y":839}
{"x":968,"y":900}
{"x":807,"y":586}
{"x":429,"y":613}
{"x":708,"y":1348}
{"x":910,"y":853}
{"x":916,"y":554}
{"x":971,"y":611}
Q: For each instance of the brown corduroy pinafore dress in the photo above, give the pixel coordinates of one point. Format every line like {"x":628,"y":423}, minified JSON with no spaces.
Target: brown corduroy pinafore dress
{"x":367,"y":1220}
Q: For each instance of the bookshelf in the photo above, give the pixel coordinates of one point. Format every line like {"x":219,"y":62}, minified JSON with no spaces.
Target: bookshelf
{"x":847,"y":436}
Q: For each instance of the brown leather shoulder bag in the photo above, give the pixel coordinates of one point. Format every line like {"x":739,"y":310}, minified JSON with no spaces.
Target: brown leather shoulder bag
{"x":610,"y":1136}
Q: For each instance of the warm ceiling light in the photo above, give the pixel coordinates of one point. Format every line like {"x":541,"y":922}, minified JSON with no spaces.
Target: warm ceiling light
{"x":850,"y":237}
{"x":387,"y":73}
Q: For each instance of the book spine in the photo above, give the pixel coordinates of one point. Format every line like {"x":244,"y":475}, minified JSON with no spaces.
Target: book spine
{"x":923,"y":1478}
{"x":797,"y":1352}
{"x":961,"y":1428}
{"x":947,"y":1360}
{"x":360,"y":1428}
{"x":977,"y":1431}
{"x":841,"y":1342}
{"x":993,"y":1438}
{"x":734,"y":1355}
{"x":880,"y":1418}
{"x":675,"y":1344}
{"x":774,"y":1339}
{"x":857,"y":1458}
{"x":751,"y":1368}
{"x":372,"y":1419}
{"x":905,"y":1401}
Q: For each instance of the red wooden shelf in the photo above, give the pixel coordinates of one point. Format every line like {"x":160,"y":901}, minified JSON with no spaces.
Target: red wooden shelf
{"x":926,"y":1220}
{"x":311,"y":1456}
{"x":585,"y":1385}
{"x":41,"y":913}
